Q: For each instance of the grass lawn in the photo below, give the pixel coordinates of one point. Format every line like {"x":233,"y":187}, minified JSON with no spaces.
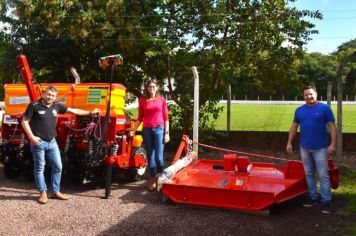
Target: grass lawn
{"x":258,"y":117}
{"x":273,"y":117}
{"x":347,"y":190}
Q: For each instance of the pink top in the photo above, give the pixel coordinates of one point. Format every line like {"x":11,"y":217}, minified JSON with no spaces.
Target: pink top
{"x":152,"y":112}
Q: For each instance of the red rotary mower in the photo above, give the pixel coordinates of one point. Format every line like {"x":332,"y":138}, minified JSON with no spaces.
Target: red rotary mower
{"x":234,"y":182}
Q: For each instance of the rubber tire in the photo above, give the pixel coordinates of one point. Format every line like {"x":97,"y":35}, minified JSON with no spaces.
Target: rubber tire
{"x":27,"y":165}
{"x":12,"y":170}
{"x":77,"y":175}
{"x":99,"y":177}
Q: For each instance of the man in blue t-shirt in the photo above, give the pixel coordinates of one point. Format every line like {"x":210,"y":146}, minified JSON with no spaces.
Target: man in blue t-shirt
{"x":313,"y":119}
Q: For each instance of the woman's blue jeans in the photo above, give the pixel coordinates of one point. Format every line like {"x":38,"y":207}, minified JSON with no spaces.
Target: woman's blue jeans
{"x":317,"y":160}
{"x":154,"y":144}
{"x":47,"y":151}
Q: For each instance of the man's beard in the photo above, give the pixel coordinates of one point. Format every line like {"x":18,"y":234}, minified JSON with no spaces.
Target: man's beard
{"x":312,"y":101}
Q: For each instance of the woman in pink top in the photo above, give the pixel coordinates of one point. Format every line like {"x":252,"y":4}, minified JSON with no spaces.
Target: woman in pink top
{"x":153,"y":112}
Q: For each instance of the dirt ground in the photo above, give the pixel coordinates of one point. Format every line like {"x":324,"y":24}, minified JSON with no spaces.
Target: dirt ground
{"x":132,"y":210}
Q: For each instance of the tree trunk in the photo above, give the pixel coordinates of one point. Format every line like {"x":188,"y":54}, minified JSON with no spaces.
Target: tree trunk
{"x":228,"y":114}
{"x":339,"y":111}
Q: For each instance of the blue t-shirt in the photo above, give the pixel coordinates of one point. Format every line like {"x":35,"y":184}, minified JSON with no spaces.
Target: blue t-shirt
{"x":313,"y":125}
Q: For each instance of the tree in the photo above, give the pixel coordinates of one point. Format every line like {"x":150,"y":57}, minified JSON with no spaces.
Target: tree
{"x":318,"y":69}
{"x":8,"y":67}
{"x":227,"y":40}
{"x":231,"y":40}
{"x":346,"y":54}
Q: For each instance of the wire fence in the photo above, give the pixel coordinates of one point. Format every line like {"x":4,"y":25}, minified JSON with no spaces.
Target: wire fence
{"x":249,"y":115}
{"x":258,"y":115}
{"x":262,"y":115}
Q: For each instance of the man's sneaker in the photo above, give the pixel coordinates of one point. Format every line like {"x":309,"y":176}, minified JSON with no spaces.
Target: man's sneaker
{"x":310,"y":202}
{"x":326,"y":208}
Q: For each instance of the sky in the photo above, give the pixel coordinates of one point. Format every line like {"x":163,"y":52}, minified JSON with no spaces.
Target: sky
{"x":337,"y":26}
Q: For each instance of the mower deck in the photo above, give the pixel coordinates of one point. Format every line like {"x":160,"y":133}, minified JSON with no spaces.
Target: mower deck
{"x":236,"y":183}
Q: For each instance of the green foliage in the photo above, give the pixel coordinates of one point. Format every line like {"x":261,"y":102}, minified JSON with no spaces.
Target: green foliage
{"x":346,"y":55}
{"x":346,"y":45}
{"x":226,"y":40}
{"x":318,"y":69}
{"x":8,"y":66}
{"x":209,"y":112}
{"x":347,"y":189}
{"x":176,"y":119}
{"x":59,"y":34}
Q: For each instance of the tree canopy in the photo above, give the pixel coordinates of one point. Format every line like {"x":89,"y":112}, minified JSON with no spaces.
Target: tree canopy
{"x":318,"y":69}
{"x":229,"y":42}
{"x":346,"y":55}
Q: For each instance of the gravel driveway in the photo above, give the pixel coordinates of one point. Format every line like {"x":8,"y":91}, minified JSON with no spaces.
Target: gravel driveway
{"x":132,"y":210}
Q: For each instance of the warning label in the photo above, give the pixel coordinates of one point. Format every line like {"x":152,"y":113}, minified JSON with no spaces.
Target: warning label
{"x":97,"y":95}
{"x":19,"y":100}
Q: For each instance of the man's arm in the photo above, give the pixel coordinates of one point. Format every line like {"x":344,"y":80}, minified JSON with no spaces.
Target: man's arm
{"x":292,"y":132}
{"x":333,"y":134}
{"x":80,"y":112}
{"x":26,"y":127}
{"x":133,"y":131}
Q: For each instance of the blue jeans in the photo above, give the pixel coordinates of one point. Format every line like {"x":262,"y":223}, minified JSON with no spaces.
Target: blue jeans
{"x":154,"y":144}
{"x":47,"y":151}
{"x":317,"y":159}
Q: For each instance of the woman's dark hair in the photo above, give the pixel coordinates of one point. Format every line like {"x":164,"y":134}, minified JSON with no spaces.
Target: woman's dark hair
{"x":146,"y":93}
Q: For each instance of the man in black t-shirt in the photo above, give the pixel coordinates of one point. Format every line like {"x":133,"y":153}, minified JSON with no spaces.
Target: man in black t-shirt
{"x":42,"y":131}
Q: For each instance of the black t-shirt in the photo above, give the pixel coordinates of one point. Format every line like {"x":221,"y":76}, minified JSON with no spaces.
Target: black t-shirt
{"x":44,"y":119}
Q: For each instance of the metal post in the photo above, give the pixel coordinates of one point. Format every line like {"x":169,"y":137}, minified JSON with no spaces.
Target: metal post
{"x":75,"y":75}
{"x":328,"y":93}
{"x":196,"y":109}
{"x":228,"y":114}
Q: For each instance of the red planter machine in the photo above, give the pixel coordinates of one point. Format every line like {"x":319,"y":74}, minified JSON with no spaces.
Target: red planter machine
{"x":236,"y":182}
{"x":90,"y":146}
